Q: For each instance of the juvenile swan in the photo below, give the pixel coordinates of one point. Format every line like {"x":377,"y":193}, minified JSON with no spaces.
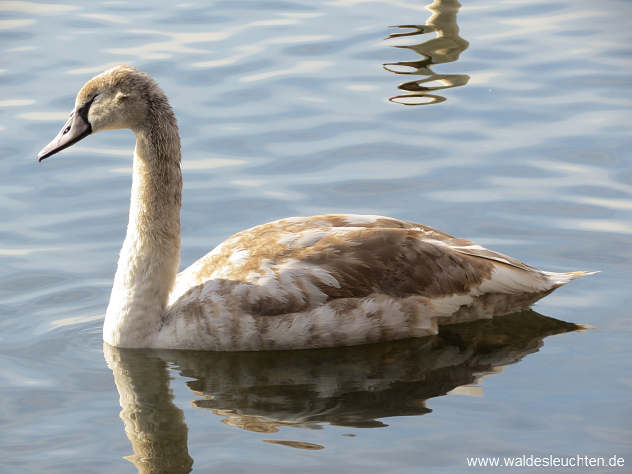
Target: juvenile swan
{"x":300,"y":282}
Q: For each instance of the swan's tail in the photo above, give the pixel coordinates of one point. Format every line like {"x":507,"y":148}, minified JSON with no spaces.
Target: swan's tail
{"x":559,"y":279}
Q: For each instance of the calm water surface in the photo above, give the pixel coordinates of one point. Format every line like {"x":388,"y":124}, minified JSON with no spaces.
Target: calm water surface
{"x":504,"y":122}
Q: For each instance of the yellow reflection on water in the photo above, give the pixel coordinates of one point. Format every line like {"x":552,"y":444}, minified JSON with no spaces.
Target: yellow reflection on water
{"x":302,"y":67}
{"x":44,"y":116}
{"x":105,"y":17}
{"x":295,"y":444}
{"x":16,"y":102}
{"x":37,"y":8}
{"x":444,"y":48}
{"x":12,"y":24}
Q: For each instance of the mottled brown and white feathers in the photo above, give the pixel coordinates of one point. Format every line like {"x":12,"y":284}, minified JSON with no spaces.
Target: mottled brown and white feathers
{"x":343,"y":279}
{"x":300,"y":282}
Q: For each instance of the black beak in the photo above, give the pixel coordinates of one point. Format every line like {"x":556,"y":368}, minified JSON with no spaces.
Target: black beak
{"x":76,"y":128}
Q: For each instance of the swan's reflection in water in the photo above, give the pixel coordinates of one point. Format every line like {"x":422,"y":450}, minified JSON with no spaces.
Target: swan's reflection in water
{"x":355,"y":386}
{"x":444,"y":48}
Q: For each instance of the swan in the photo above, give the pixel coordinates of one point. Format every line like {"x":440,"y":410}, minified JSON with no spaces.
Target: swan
{"x":295,"y":283}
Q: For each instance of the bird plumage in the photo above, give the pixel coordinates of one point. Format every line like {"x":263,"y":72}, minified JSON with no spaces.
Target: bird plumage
{"x":299,"y":282}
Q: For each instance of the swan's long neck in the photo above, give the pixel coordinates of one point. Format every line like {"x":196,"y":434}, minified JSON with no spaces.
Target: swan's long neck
{"x":150,"y":256}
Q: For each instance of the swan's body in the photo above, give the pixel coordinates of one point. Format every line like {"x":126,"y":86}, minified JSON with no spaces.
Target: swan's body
{"x":301,"y":282}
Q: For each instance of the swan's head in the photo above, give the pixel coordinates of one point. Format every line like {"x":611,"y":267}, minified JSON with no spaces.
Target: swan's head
{"x":117,"y":98}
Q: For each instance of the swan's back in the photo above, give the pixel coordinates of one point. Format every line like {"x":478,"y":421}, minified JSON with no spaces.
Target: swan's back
{"x":342,"y":280}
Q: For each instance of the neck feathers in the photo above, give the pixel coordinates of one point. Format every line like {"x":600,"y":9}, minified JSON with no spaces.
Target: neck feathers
{"x":150,"y":256}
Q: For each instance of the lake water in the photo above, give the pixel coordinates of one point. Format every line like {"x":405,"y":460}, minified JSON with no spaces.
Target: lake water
{"x":504,"y":122}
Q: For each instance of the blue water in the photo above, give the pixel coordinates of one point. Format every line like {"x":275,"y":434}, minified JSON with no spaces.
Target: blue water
{"x":520,"y":141}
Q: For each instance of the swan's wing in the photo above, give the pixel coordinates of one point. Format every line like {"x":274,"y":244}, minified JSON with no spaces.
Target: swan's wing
{"x":296,"y":264}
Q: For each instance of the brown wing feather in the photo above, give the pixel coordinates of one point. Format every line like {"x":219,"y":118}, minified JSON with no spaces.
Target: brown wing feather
{"x":384,"y":256}
{"x":395,"y":262}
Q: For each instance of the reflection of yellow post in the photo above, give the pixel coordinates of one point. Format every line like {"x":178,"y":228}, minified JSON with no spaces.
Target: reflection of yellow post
{"x":153,"y":424}
{"x":444,"y":48}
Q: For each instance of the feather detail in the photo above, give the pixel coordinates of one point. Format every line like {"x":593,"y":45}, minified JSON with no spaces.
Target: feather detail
{"x":333,"y":280}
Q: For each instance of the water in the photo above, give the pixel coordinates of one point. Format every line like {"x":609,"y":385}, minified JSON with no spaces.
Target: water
{"x":520,"y":142}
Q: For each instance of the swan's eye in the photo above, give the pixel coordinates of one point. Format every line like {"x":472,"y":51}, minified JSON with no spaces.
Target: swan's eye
{"x":66,"y":130}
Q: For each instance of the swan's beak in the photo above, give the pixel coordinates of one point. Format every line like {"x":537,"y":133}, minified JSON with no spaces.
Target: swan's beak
{"x":76,"y":128}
